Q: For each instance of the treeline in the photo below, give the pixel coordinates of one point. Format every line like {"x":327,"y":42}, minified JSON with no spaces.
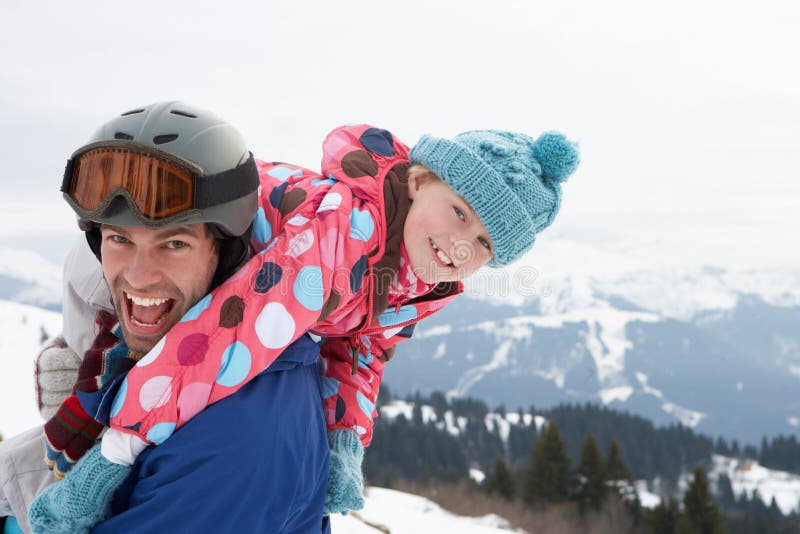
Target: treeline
{"x":597,"y":455}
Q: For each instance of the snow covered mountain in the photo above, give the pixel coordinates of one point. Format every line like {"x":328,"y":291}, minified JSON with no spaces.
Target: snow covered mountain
{"x":623,"y":325}
{"x":717,"y":350}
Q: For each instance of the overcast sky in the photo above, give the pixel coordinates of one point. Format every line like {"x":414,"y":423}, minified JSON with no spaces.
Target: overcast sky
{"x":688,"y":113}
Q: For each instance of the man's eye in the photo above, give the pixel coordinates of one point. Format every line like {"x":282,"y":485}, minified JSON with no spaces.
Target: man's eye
{"x":116,"y":238}
{"x":459,"y":213}
{"x":175,"y":244}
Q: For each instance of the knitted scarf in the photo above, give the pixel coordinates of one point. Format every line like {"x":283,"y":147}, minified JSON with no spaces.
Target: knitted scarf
{"x":75,"y":427}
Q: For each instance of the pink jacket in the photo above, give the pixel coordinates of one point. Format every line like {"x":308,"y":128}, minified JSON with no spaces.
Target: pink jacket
{"x":319,"y":237}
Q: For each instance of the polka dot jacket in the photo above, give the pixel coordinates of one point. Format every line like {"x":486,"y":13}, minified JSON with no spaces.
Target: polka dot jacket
{"x":321,"y":240}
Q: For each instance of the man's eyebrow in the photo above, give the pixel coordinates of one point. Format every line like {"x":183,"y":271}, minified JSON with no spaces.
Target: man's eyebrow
{"x":185,"y":229}
{"x":116,"y":229}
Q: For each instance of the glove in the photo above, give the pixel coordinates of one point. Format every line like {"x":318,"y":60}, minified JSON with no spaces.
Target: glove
{"x":345,"y":481}
{"x":56,"y":371}
{"x":81,"y":500}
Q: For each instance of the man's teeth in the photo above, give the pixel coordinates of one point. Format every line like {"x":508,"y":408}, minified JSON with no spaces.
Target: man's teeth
{"x":147,"y":302}
{"x":442,"y":256}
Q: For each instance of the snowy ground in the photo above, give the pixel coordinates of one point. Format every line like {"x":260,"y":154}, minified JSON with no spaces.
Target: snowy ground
{"x":402,"y":513}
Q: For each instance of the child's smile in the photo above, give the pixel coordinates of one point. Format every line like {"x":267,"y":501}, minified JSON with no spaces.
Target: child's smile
{"x":445,"y":239}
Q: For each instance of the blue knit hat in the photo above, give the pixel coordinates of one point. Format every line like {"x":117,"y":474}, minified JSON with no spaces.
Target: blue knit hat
{"x":512,"y":182}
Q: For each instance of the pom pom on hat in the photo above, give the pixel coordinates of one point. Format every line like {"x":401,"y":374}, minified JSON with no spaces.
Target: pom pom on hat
{"x":557,"y":155}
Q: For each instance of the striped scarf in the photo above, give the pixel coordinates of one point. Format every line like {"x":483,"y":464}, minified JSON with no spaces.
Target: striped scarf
{"x":75,"y":427}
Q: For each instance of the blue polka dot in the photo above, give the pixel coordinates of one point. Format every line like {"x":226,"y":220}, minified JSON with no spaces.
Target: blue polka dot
{"x":364,"y":360}
{"x":390,"y":318}
{"x":276,"y":195}
{"x":160,"y":432}
{"x":308,"y":288}
{"x":377,"y":141}
{"x":119,"y":399}
{"x":269,"y":275}
{"x":195,"y":311}
{"x":361,"y":225}
{"x":365,"y":404}
{"x":330,"y":180}
{"x":330,"y":387}
{"x":262,"y":230}
{"x":236,"y":362}
{"x":282,"y":173}
{"x":357,"y":274}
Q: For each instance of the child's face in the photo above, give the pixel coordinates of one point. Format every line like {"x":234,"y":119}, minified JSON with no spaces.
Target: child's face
{"x":445,"y":239}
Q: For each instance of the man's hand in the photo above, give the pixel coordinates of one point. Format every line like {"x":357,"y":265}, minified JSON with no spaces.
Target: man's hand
{"x":345,"y":482}
{"x":56,"y":372}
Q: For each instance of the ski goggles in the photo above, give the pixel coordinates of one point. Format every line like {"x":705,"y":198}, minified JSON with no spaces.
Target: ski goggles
{"x":158,"y":186}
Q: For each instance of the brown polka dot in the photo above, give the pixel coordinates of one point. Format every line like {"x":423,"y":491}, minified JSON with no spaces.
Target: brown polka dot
{"x":330,"y":305}
{"x":359,"y":163}
{"x":291,"y":200}
{"x":231,"y":312}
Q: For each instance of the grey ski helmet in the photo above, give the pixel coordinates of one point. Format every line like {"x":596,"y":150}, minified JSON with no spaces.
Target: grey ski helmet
{"x":226,"y":191}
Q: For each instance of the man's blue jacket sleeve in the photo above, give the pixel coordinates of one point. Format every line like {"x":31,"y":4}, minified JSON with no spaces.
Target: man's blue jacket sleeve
{"x":256,"y":461}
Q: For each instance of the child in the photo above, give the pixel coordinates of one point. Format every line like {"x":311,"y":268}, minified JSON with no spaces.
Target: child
{"x":357,"y":254}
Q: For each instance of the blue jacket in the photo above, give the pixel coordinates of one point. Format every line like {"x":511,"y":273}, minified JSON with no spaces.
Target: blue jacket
{"x":256,"y":461}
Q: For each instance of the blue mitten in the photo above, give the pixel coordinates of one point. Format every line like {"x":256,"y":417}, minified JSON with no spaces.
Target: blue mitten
{"x":345,"y":482}
{"x":79,"y":501}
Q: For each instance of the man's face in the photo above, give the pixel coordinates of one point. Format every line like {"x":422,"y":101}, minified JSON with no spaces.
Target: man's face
{"x":155,"y":276}
{"x":445,"y":239}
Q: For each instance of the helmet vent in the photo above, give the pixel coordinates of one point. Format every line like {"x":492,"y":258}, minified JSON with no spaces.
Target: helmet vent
{"x":166,"y":138}
{"x":122,"y":135}
{"x":183,"y":113}
{"x":133,"y":112}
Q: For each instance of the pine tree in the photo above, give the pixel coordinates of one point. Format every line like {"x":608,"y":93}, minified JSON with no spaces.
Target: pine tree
{"x":616,"y":469}
{"x":699,"y":507}
{"x":664,"y":518}
{"x":548,"y":477}
{"x":591,"y":472}
{"x":500,"y":481}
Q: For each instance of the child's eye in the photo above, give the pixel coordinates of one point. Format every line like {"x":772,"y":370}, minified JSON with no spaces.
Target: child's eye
{"x":175,"y":244}
{"x":485,"y":243}
{"x":459,"y":213}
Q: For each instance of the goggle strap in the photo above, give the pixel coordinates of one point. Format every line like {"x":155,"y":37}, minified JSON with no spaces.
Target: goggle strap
{"x":227,"y":185}
{"x":66,"y":181}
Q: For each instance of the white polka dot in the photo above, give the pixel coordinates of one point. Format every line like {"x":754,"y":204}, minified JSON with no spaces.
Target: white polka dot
{"x":389,"y":332}
{"x":331,"y":201}
{"x":300,"y":243}
{"x":274,"y":326}
{"x":297,"y":220}
{"x":155,"y":392}
{"x":151,"y":356}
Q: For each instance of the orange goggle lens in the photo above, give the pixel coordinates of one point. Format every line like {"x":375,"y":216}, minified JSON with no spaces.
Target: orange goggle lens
{"x":157,"y":188}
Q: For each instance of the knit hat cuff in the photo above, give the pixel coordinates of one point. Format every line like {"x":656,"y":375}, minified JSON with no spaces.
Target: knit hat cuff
{"x":485,"y":190}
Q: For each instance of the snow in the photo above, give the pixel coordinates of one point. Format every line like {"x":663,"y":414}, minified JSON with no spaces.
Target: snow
{"x":397,"y":407}
{"x":687,"y":417}
{"x":474,"y":375}
{"x":27,"y":266}
{"x":557,"y":275}
{"x":21,"y":328}
{"x":646,"y":498}
{"x":748,"y":475}
{"x":402,"y":513}
{"x":477,"y":475}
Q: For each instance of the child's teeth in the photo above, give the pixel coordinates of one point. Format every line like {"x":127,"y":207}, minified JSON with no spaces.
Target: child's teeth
{"x":442,"y":257}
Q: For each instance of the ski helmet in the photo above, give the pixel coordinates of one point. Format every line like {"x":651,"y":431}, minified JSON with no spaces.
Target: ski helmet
{"x":164,"y":164}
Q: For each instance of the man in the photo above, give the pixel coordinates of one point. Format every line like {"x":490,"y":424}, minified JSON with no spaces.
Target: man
{"x":166,"y":195}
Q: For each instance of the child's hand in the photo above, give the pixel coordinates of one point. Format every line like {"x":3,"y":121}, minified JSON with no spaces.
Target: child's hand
{"x":74,"y":505}
{"x":345,"y":482}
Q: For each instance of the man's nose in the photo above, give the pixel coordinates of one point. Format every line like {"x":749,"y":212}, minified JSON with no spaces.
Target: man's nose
{"x":142,"y":270}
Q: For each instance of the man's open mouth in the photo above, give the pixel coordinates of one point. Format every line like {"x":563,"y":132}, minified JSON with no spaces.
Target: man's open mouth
{"x":443,"y":258}
{"x":148,"y":312}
